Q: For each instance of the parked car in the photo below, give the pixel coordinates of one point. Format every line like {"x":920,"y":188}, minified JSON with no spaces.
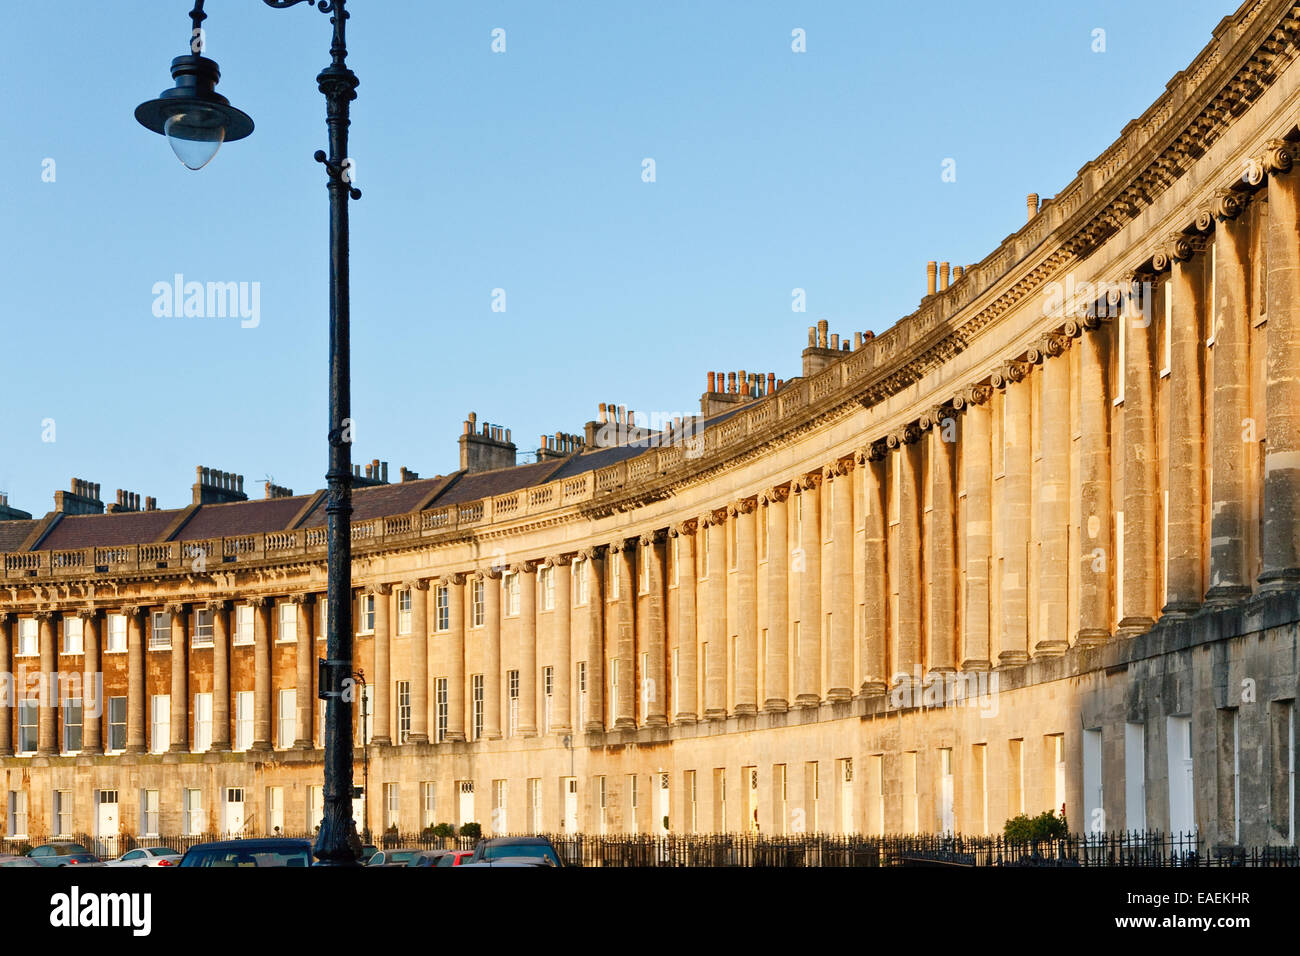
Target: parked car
{"x":8,"y":859}
{"x":400,"y":857}
{"x":455,"y":858}
{"x":62,"y":854}
{"x":367,"y":851}
{"x":249,"y":853}
{"x":427,"y":858}
{"x":526,"y":851}
{"x":148,"y":856}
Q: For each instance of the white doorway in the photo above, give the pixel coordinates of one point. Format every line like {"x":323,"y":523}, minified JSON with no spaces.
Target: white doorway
{"x":846,"y":795}
{"x":662,"y":806}
{"x":1182,"y":811}
{"x":570,"y":804}
{"x":466,"y":790}
{"x":947,"y":790}
{"x":107,"y":819}
{"x":232,"y":819}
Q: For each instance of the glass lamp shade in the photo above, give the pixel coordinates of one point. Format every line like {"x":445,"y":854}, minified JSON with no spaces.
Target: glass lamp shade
{"x":195,"y":135}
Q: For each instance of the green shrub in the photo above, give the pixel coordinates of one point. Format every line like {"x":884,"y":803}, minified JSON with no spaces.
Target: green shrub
{"x":1026,"y":829}
{"x":443,"y":830}
{"x":471,"y":830}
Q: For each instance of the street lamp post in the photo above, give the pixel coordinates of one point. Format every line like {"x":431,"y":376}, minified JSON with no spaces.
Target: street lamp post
{"x":197,"y":120}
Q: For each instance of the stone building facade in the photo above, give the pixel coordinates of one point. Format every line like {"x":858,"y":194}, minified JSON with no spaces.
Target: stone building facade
{"x":1035,"y":546}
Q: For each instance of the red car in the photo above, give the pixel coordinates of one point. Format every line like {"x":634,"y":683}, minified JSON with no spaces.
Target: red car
{"x":456,"y":858}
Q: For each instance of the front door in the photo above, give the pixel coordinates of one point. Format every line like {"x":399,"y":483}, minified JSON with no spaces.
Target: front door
{"x":234,"y":811}
{"x":466,"y":802}
{"x":570,"y":804}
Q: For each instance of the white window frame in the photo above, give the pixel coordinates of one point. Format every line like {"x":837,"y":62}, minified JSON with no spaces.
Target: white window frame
{"x":108,"y":718}
{"x":428,"y":804}
{"x":580,"y":567}
{"x":510,"y":593}
{"x":402,"y":694}
{"x":546,"y":578}
{"x":203,"y":628}
{"x":245,"y":626}
{"x":193,"y":820}
{"x":157,"y":631}
{"x":202,"y":723}
{"x":73,"y":705}
{"x":442,"y":608}
{"x":243,"y":720}
{"x":160,"y":724}
{"x":115,"y":634}
{"x":28,"y":643}
{"x":31,"y":706}
{"x":512,"y":686}
{"x":274,"y":810}
{"x":443,"y":712}
{"x":392,"y":805}
{"x":286,"y":723}
{"x":74,"y":635}
{"x":405,"y":603}
{"x":477,"y":697}
{"x":478,"y":602}
{"x":548,"y":690}
{"x":286,"y":623}
{"x":150,"y":812}
{"x":18,"y":817}
{"x":366,"y":614}
{"x":62,"y":813}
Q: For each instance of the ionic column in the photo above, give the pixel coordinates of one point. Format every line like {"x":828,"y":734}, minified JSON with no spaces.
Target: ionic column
{"x":715,"y":660}
{"x":776,"y":582}
{"x":456,"y":641}
{"x":92,"y":693}
{"x":1014,"y":645}
{"x":652,"y":626}
{"x":625,"y":639}
{"x":687,"y":638}
{"x":262,"y":608}
{"x":7,"y":667}
{"x":1054,"y":497}
{"x":1230,"y":403}
{"x":977,"y":471}
{"x":1096,"y":544}
{"x":808,"y":655}
{"x":180,"y":682}
{"x":595,"y":570}
{"x":135,"y":687}
{"x":383,"y":732}
{"x":47,"y":737}
{"x":419,"y":589}
{"x":220,"y":674}
{"x":305,"y":651}
{"x":527,"y":572}
{"x":839,"y":650}
{"x":906,"y":658}
{"x":1139,"y":545}
{"x":1184,"y":462}
{"x":560,"y":718}
{"x":1280,"y":517}
{"x":875,"y":607}
{"x":942,"y":587}
{"x":746,"y":677}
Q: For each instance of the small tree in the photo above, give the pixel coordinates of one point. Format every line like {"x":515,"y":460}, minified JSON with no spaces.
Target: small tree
{"x":471,"y":830}
{"x":1023,"y":828}
{"x":444,"y":830}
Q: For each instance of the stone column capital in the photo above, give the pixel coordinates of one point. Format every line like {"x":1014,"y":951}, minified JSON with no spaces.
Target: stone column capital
{"x":775,"y":494}
{"x":303,"y":598}
{"x":44,"y":615}
{"x":906,"y":435}
{"x":1048,"y":345}
{"x":382,"y":588}
{"x":652,"y":537}
{"x":176,"y":609}
{"x":933,"y":416}
{"x":742,"y":506}
{"x":132,"y":610}
{"x":1012,"y":370}
{"x":258,"y":601}
{"x":1278,"y":156}
{"x":717,"y":516}
{"x":87,"y":613}
{"x":876,"y":451}
{"x":557,"y":560}
{"x":687,"y":527}
{"x":524,"y":567}
{"x":593,"y":553}
{"x":484,"y":574}
{"x":812,"y":480}
{"x":974,"y":395}
{"x":1226,"y":204}
{"x":6,"y":617}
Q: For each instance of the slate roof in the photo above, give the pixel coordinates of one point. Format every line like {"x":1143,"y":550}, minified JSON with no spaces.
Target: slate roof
{"x":98,"y":531}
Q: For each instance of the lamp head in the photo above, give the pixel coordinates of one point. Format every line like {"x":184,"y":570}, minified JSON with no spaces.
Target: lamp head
{"x":194,"y":117}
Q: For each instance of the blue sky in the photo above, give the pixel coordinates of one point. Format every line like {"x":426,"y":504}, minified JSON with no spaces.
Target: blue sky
{"x":519,"y":171}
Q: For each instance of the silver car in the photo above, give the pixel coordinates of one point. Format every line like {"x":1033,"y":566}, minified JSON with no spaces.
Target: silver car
{"x":148,"y":856}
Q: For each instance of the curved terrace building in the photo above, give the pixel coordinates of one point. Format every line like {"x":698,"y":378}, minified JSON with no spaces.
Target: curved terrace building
{"x":1035,"y":546}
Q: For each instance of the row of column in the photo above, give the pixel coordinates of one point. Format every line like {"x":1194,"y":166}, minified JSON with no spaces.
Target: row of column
{"x":181,"y":630}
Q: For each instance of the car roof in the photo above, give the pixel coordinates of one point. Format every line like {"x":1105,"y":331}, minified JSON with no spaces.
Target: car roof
{"x":517,"y":841}
{"x":283,"y":843}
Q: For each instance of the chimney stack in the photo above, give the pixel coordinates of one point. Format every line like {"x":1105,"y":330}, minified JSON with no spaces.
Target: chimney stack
{"x":931,"y":269}
{"x":82,"y":498}
{"x":943,"y":276}
{"x":485,"y":449}
{"x":1031,"y":206}
{"x":277,"y":491}
{"x":214,"y":487}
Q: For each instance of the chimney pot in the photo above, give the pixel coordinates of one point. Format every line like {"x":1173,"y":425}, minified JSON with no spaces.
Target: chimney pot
{"x":601,"y":409}
{"x":812,"y":336}
{"x":822,"y":326}
{"x":943,"y":276}
{"x":957,"y":273}
{"x":835,"y":341}
{"x":712,"y":383}
{"x":931,"y":268}
{"x":1031,"y":206}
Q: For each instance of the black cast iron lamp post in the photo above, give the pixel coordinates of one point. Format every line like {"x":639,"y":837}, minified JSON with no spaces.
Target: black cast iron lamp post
{"x":197,"y":120}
